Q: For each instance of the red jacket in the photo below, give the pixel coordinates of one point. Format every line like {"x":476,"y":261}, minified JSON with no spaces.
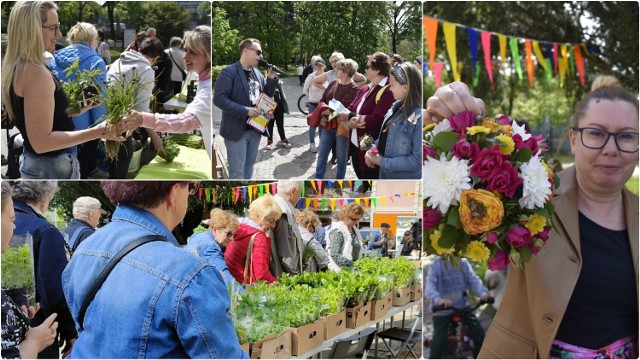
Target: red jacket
{"x":236,"y":254}
{"x":374,"y":112}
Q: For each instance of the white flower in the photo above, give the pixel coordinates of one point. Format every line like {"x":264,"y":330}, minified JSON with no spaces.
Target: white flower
{"x":519,"y":130}
{"x":443,"y":125}
{"x":536,"y":187}
{"x":444,"y":181}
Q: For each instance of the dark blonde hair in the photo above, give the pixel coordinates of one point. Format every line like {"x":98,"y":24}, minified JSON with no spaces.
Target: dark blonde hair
{"x":221,"y":219}
{"x":604,"y":87}
{"x":350,"y":210}
{"x":7,"y":192}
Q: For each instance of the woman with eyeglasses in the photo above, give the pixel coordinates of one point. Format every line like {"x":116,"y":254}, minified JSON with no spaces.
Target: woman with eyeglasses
{"x":367,"y":112}
{"x":159,"y":301}
{"x":578,"y":298}
{"x":209,"y":245}
{"x":345,"y":243}
{"x":398,"y":150}
{"x":251,"y":251}
{"x":197,"y":115}
{"x":34,"y":99}
{"x":314,"y":257}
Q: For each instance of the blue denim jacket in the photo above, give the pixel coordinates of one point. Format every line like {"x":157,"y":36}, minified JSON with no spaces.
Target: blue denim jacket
{"x":204,"y":245}
{"x":403,"y":153}
{"x":158,"y":302}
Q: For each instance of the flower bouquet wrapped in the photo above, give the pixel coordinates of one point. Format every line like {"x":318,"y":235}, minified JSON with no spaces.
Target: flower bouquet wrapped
{"x":366,"y":144}
{"x":487,"y":190}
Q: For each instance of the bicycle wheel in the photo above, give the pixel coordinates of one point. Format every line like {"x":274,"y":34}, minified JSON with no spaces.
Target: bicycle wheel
{"x":303,"y":104}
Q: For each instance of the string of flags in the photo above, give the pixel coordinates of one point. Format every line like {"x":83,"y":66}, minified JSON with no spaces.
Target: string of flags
{"x":246,"y":194}
{"x":560,"y":59}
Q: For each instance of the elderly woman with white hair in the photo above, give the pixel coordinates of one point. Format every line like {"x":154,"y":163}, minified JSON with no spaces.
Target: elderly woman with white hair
{"x":31,"y":200}
{"x":84,"y":39}
{"x":287,"y":238}
{"x":178,"y":73}
{"x":314,"y":256}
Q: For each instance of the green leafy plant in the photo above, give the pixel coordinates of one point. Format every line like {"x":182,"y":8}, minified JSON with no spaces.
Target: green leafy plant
{"x":188,"y":140}
{"x":82,"y":89}
{"x":170,"y":151}
{"x":18,"y":275}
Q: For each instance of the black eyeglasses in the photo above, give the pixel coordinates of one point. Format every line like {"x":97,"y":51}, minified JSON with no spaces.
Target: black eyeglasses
{"x":55,"y":27}
{"x":258,"y":52}
{"x":594,"y":138}
{"x":193,"y":188}
{"x":230,"y":234}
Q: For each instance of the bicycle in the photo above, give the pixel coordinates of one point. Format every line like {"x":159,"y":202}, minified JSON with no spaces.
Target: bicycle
{"x":303,"y":104}
{"x":459,"y":342}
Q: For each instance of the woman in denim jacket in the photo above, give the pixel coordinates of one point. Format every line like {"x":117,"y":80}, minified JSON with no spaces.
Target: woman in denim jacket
{"x":398,"y":150}
{"x":159,"y":301}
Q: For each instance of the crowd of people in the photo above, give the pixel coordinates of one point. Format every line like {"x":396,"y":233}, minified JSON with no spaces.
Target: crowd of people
{"x":63,"y":141}
{"x":153,"y":296}
{"x":383,"y":104}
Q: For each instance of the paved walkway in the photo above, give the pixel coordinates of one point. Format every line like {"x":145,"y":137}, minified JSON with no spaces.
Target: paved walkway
{"x":282,"y":163}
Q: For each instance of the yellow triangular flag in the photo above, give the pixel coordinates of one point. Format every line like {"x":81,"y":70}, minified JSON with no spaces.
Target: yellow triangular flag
{"x":333,"y":204}
{"x":449,"y":30}
{"x":503,"y":49}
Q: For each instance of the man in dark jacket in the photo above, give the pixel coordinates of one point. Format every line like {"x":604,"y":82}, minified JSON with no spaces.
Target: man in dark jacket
{"x":86,"y":216}
{"x":236,"y":93}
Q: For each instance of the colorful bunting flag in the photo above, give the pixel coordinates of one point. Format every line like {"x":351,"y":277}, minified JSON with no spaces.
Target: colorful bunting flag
{"x":515,"y":56}
{"x":529,"y":61}
{"x":486,"y":48}
{"x":473,"y":45}
{"x":541,"y":60}
{"x":333,"y":204}
{"x":437,"y":71}
{"x":555,"y":58}
{"x":502,"y":39}
{"x":449,"y":30}
{"x":579,"y":62}
{"x":431,"y":33}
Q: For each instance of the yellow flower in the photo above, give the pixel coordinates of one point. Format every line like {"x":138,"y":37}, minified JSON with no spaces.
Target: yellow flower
{"x":509,"y":144}
{"x":478,"y":129}
{"x":536,"y":223}
{"x":434,"y":237}
{"x":429,"y":127}
{"x":492,"y":125}
{"x":507,"y":129}
{"x":477,"y":251}
{"x":549,"y":171}
{"x":480,"y":211}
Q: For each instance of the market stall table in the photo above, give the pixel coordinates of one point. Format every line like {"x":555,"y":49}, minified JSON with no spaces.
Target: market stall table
{"x":349,"y":332}
{"x":175,"y":104}
{"x":189,"y":164}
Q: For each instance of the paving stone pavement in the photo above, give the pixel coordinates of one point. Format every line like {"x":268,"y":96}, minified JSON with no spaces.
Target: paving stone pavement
{"x":297,"y":162}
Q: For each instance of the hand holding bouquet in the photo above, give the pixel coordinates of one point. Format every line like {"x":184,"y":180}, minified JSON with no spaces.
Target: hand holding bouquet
{"x":81,"y":91}
{"x":487,"y":190}
{"x":372,"y":157}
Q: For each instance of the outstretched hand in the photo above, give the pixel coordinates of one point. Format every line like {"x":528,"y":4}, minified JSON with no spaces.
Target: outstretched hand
{"x":130,"y":121}
{"x":451,"y":99}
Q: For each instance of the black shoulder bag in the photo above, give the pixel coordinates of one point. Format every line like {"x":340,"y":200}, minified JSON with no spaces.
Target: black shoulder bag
{"x":107,"y":270}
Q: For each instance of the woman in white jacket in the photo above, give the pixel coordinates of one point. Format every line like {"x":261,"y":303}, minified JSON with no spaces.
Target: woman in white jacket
{"x":197,"y":56}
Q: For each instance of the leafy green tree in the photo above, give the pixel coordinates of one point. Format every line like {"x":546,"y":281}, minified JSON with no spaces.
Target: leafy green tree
{"x":169,"y":18}
{"x":71,"y":12}
{"x":130,"y":11}
{"x":404,"y":23}
{"x":111,"y":7}
{"x":226,"y":39}
{"x":203,"y":13}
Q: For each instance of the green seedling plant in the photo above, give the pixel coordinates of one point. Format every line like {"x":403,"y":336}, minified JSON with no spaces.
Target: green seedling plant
{"x":121,"y":96}
{"x":188,"y":140}
{"x":81,"y":88}
{"x":18,"y":273}
{"x":170,"y":150}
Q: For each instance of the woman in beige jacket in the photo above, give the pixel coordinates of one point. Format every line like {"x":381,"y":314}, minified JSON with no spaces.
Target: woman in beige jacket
{"x":579,"y":297}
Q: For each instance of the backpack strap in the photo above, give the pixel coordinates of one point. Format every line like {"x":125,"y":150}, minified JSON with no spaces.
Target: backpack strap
{"x":247,"y":262}
{"x":107,"y":270}
{"x":73,"y":244}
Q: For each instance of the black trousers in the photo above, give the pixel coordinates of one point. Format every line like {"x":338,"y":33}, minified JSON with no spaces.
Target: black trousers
{"x":354,"y":151}
{"x":278,"y":119}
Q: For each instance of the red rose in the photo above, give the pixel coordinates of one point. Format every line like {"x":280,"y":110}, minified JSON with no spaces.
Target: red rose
{"x":465,"y":150}
{"x":461,"y":121}
{"x":430,"y":217}
{"x":503,"y":120}
{"x":487,"y":162}
{"x":505,"y":180}
{"x":518,"y":236}
{"x":544,"y":234}
{"x":492,"y":237}
{"x":428,"y":151}
{"x":499,"y":261}
{"x":531,"y":143}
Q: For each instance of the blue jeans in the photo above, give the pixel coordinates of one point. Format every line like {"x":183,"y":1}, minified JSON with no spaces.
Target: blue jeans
{"x":242,"y":154}
{"x":312,"y":131}
{"x":62,"y":166}
{"x":327,"y":139}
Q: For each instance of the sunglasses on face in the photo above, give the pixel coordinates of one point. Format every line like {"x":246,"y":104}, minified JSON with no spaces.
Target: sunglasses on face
{"x":258,"y":52}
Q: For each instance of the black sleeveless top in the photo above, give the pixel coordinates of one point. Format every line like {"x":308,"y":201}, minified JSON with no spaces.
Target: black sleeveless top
{"x":61,"y":121}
